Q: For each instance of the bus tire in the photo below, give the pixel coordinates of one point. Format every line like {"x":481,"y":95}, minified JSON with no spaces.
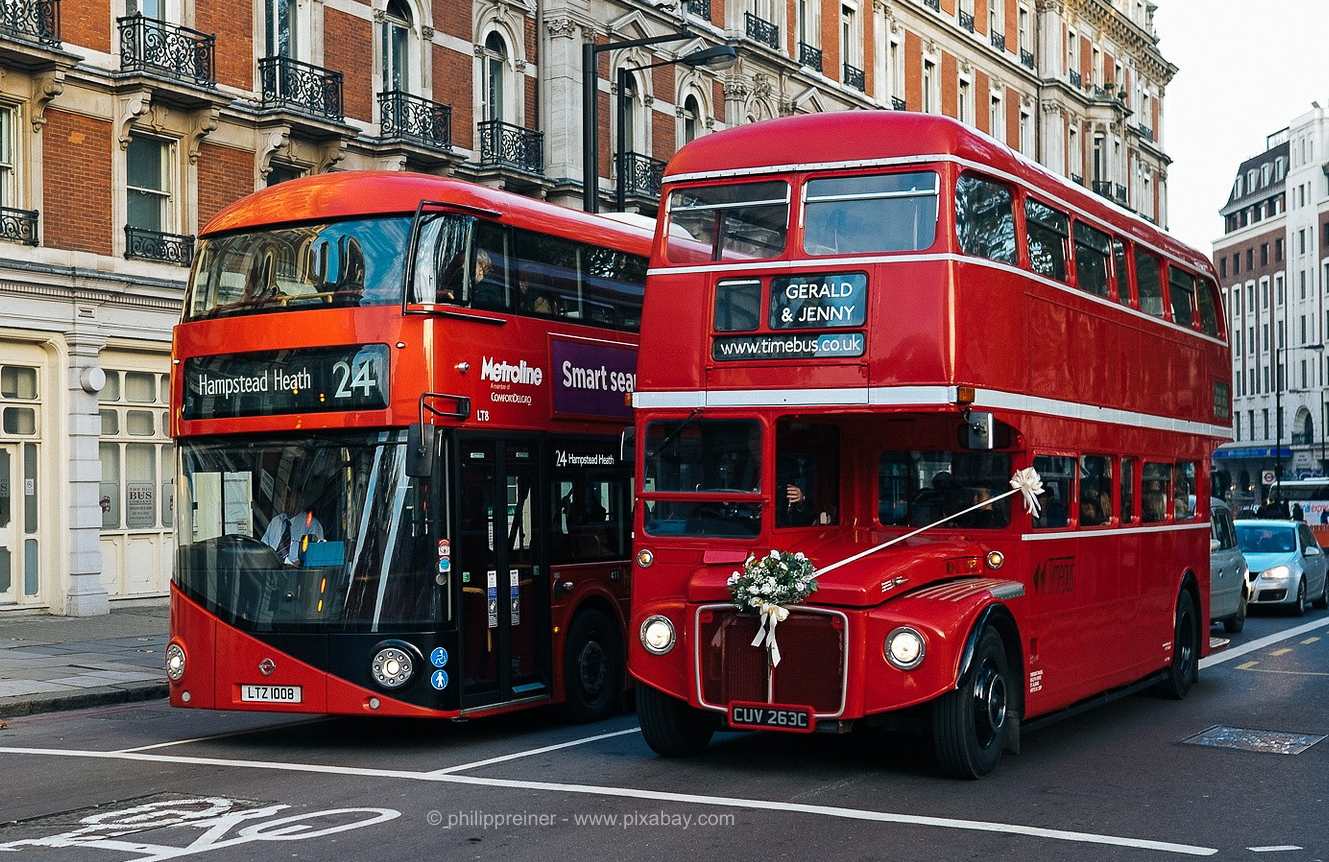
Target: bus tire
{"x":970,"y":724}
{"x":592,"y":667}
{"x":671,"y":727}
{"x":1184,"y":671}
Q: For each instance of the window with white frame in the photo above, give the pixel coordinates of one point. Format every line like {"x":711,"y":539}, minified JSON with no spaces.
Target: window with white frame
{"x":895,"y":65}
{"x":1096,"y":70}
{"x":808,"y":23}
{"x":155,"y":9}
{"x":280,"y":26}
{"x":137,"y":458}
{"x":996,"y":17}
{"x":395,"y":47}
{"x":1072,"y":52}
{"x":1026,"y":132}
{"x":494,"y":72}
{"x":996,"y":117}
{"x":1074,"y":160}
{"x":148,"y":183}
{"x":9,"y":194}
{"x":930,"y":96}
{"x":964,"y":104}
{"x":691,"y":118}
{"x":851,"y":38}
{"x":1026,"y":34}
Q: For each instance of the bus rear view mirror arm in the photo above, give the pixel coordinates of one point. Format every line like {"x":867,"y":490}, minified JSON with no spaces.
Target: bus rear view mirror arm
{"x":980,"y":430}
{"x":422,"y":436}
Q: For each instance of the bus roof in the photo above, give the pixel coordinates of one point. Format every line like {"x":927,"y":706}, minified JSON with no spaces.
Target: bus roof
{"x":853,"y":138}
{"x":346,"y":194}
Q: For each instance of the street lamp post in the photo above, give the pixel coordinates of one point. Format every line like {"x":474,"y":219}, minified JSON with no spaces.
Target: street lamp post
{"x":717,"y":58}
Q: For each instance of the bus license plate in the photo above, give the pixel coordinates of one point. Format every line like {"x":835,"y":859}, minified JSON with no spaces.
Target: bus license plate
{"x":270,"y":693}
{"x":767,"y":716}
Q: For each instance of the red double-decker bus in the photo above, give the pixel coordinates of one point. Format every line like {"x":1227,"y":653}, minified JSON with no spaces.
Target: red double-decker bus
{"x":397,"y":401}
{"x":866,"y":323}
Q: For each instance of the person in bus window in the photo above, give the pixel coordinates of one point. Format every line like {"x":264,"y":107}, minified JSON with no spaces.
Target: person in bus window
{"x":533,"y":300}
{"x":287,"y":531}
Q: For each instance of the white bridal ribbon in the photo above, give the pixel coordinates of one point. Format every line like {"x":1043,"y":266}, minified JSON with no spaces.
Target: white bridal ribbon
{"x":771,"y":615}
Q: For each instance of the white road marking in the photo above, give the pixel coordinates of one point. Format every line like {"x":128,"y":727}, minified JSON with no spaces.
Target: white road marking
{"x":225,"y":735}
{"x":448,"y":770}
{"x":1260,"y":643}
{"x":1274,"y":848}
{"x":638,"y":793}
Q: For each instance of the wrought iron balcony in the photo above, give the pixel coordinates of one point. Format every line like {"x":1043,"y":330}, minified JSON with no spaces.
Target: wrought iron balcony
{"x":410,"y":118}
{"x":149,"y":45}
{"x":700,"y":8}
{"x":1101,"y":92}
{"x":1119,"y":192}
{"x":1027,"y":58}
{"x":18,"y":225}
{"x":1075,"y":79}
{"x":31,"y":20}
{"x":510,"y":146}
{"x":809,"y":56}
{"x":642,"y":175}
{"x":853,"y":76}
{"x":966,"y":21}
{"x":290,"y":84}
{"x":998,"y":41}
{"x":761,"y":30}
{"x":1145,"y":132}
{"x":898,"y":104}
{"x":1102,"y":187}
{"x":1077,"y":179}
{"x":144,"y":244}
{"x":934,"y":5}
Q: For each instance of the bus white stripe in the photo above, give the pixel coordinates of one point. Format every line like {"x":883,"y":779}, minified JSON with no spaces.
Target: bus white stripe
{"x":1092,"y":533}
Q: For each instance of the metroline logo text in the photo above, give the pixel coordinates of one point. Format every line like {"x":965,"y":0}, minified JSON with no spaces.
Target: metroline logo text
{"x":505,"y":372}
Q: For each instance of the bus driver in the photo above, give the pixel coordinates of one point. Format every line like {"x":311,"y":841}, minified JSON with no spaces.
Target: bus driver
{"x":287,"y":530}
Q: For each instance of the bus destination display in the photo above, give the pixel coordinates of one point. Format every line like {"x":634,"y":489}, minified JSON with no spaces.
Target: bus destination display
{"x":286,"y":381}
{"x":821,"y":301}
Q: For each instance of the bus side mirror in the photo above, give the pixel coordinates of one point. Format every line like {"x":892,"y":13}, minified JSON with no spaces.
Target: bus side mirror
{"x":420,"y":450}
{"x":980,"y":431}
{"x":627,"y":446}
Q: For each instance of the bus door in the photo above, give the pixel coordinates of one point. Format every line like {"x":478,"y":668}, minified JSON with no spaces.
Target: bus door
{"x":501,"y":571}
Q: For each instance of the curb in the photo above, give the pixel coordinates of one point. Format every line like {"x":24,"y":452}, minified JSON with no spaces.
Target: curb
{"x":61,"y":701}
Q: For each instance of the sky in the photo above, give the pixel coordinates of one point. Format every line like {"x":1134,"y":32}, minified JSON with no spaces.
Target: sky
{"x":1247,"y":68}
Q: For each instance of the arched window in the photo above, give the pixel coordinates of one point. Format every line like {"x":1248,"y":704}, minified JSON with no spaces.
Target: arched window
{"x":494,"y":71}
{"x":691,"y":119}
{"x":630,"y":116}
{"x":395,"y":39}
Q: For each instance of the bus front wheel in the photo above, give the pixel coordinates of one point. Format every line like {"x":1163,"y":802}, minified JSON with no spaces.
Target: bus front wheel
{"x":670,"y":726}
{"x":1184,"y":671}
{"x":592,"y":667}
{"x":970,"y":724}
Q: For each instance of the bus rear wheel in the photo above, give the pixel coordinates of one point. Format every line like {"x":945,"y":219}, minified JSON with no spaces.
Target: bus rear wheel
{"x":592,"y":667}
{"x":970,"y":724}
{"x":1185,"y":668}
{"x":671,"y":727}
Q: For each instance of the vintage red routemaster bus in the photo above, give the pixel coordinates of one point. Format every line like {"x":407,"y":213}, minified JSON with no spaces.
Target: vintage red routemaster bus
{"x":862,"y":324}
{"x":398,"y":401}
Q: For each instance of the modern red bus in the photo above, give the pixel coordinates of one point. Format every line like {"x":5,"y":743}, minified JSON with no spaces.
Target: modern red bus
{"x":879,"y":318}
{"x":397,"y":402}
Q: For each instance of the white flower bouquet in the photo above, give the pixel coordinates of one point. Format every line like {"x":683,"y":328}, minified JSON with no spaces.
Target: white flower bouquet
{"x":779,"y":578}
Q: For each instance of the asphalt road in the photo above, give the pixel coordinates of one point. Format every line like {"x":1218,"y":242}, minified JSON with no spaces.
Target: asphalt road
{"x":145,"y":782}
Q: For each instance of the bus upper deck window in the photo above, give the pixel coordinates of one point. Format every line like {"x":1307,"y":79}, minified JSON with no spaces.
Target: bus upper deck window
{"x":878,"y":212}
{"x":728,"y":222}
{"x":1181,"y":288}
{"x":1148,"y":281}
{"x":1206,"y":301}
{"x":1092,"y":250}
{"x":985,"y":218}
{"x":1046,"y":233}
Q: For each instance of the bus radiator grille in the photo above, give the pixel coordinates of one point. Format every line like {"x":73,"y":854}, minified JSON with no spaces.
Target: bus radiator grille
{"x":812,"y":660}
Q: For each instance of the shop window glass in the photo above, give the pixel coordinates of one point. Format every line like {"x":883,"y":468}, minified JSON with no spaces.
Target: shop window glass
{"x":110,"y":423}
{"x":140,"y":486}
{"x":140,"y":387}
{"x":109,"y":490}
{"x":18,"y":382}
{"x":139,"y":423}
{"x":20,"y":420}
{"x":111,"y":391}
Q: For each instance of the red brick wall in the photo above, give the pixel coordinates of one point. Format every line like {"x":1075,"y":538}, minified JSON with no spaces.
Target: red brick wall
{"x":348,"y":48}
{"x":602,"y":114}
{"x":981,"y":14}
{"x":831,"y":62}
{"x":981,"y":97}
{"x":453,"y":18}
{"x":913,"y":71}
{"x":949,"y":85}
{"x":662,"y":135}
{"x":717,"y":101}
{"x":662,"y":83}
{"x":869,"y":46}
{"x":77,"y":182}
{"x":86,"y":23}
{"x":1013,"y":26}
{"x":225,"y":175}
{"x":1013,"y":119}
{"x":717,"y":12}
{"x":232,"y":22}
{"x":452,"y":86}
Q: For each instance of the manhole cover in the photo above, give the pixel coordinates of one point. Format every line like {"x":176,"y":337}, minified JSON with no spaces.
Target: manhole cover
{"x":1250,"y":739}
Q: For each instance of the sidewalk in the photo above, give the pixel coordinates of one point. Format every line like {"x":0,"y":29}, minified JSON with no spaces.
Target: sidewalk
{"x":49,"y":663}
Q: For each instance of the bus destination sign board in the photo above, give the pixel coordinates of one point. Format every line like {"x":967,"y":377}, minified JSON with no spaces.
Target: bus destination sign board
{"x":825,"y":300}
{"x":313,"y":380}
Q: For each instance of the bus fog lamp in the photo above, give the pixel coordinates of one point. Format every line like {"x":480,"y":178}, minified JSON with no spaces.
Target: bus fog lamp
{"x":995,"y":559}
{"x":657,"y":635}
{"x":645,"y":558}
{"x":392,"y":667}
{"x":904,"y":648}
{"x":175,"y":662}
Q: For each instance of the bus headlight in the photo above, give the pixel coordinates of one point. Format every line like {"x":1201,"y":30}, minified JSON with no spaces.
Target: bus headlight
{"x":175,"y":662}
{"x":904,"y":648}
{"x":657,"y":635}
{"x":392,"y":667}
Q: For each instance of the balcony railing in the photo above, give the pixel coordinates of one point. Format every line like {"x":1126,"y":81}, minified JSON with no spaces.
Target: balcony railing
{"x":1119,"y":192}
{"x":809,"y":56}
{"x":998,"y":41}
{"x":934,"y":5}
{"x":32,"y":20}
{"x":1076,"y":80}
{"x":1145,"y":132}
{"x":700,"y":8}
{"x":144,"y":244}
{"x":967,"y":21}
{"x":853,"y":77}
{"x":301,"y":87}
{"x":1102,"y":187}
{"x":642,"y":175}
{"x":1027,"y":58}
{"x":761,"y":30}
{"x":149,"y":45}
{"x":510,"y":146}
{"x":898,"y":104}
{"x":18,"y":225}
{"x":1101,"y":92}
{"x":412,"y":118}
{"x":1077,"y":179}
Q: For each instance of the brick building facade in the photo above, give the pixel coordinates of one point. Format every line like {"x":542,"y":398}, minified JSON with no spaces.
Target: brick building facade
{"x":125,"y":125}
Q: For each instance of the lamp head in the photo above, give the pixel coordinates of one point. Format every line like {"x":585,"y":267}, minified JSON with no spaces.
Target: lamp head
{"x":717,"y":59}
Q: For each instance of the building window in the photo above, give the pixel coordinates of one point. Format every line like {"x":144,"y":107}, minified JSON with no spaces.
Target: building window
{"x":1026,"y":132}
{"x":137,"y":458}
{"x":154,"y":9}
{"x":691,"y":119}
{"x":279,"y":28}
{"x":996,"y":119}
{"x":495,"y":62}
{"x":809,"y":22}
{"x":896,"y":66}
{"x":851,"y":42}
{"x":395,"y":40}
{"x":9,"y":193}
{"x":929,"y":87}
{"x":148,"y":183}
{"x":280,"y":173}
{"x":1026,"y":42}
{"x":964,"y":113}
{"x":996,"y":20}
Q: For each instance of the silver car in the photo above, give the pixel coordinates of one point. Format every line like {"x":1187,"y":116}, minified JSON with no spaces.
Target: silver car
{"x":1288,"y":566}
{"x":1229,"y":577}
